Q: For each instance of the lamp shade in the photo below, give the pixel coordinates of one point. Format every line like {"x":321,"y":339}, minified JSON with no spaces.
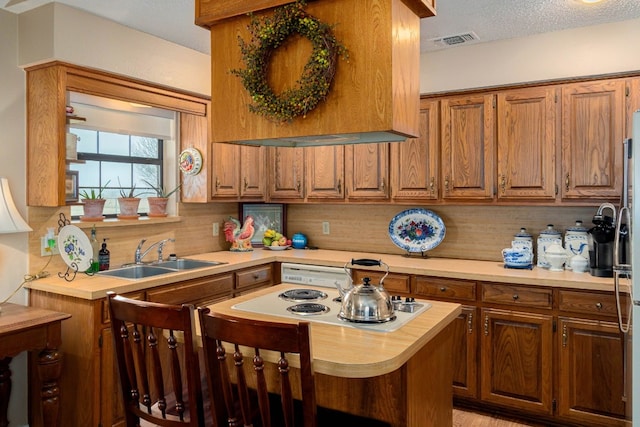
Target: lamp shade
{"x":10,"y":219}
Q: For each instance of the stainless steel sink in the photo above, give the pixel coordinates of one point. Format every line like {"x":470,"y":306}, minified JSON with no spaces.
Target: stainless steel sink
{"x":141,"y":271}
{"x":137,"y":271}
{"x":187,"y":264}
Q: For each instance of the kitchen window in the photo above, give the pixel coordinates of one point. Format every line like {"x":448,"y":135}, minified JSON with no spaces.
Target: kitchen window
{"x":122,"y":144}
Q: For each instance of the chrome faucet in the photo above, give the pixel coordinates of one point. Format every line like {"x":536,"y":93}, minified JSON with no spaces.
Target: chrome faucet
{"x":160,"y":244}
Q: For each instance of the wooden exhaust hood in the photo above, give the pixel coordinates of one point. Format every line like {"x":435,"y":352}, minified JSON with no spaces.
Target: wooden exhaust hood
{"x":374,"y":96}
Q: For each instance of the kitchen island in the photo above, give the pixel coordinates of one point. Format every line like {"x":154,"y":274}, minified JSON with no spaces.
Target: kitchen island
{"x":401,"y":377}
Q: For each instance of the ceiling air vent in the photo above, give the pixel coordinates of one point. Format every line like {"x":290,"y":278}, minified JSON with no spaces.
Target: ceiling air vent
{"x":455,"y":40}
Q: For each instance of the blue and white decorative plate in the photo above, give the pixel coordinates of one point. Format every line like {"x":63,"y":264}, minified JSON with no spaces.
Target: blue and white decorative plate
{"x":416,"y":230}
{"x":75,"y":248}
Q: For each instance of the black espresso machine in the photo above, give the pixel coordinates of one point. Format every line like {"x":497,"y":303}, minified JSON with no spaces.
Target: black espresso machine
{"x":601,"y":242}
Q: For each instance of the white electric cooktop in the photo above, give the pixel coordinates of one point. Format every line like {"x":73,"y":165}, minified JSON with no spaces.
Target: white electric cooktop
{"x":272,"y":304}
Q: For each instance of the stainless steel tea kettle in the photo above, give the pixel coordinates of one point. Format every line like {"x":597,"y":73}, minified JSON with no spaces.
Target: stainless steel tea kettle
{"x":366,"y":303}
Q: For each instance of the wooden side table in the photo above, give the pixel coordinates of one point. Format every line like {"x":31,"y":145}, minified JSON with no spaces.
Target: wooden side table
{"x":32,"y":329}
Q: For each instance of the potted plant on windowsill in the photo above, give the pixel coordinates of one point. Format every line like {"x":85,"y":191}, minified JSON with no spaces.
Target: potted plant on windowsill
{"x":128,"y":203}
{"x":93,"y":204}
{"x":158,"y":204}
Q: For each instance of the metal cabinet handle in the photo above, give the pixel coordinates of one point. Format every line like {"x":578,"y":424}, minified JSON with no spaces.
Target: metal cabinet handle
{"x":599,"y":306}
{"x":382,"y":184}
{"x":566,"y":182}
{"x":339,"y":186}
{"x":515,"y":297}
{"x":470,"y":323}
{"x":443,"y":289}
{"x":432,"y":185}
{"x":298,"y":186}
{"x":446,"y":184}
{"x":564,"y":335}
{"x":217,"y":183}
{"x":246,"y":183}
{"x":503,"y":184}
{"x":486,"y":325}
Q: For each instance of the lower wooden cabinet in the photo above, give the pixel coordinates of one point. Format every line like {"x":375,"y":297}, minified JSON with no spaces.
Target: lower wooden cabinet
{"x":542,"y":352}
{"x":516,"y":352}
{"x":465,"y":353}
{"x":591,"y":372}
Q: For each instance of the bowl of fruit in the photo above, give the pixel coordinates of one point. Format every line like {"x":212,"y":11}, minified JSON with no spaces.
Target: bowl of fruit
{"x":275,"y":241}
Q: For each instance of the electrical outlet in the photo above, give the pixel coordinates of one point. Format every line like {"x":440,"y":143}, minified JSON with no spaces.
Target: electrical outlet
{"x":45,"y":250}
{"x":216,"y":228}
{"x":326,"y":229}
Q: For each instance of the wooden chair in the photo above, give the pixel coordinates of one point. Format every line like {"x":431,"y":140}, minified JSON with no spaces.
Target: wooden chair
{"x":234,"y":391}
{"x":156,"y":364}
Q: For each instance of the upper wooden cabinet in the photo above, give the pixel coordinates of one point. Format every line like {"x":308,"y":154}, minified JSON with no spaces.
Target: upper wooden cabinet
{"x":632,"y":91}
{"x":238,"y":172}
{"x":352,"y":173}
{"x":367,"y":171}
{"x":593,"y":119}
{"x":526,"y":124}
{"x":468,"y":147}
{"x":48,"y":86}
{"x":324,"y":169}
{"x":414,"y":163}
{"x":286,"y":173}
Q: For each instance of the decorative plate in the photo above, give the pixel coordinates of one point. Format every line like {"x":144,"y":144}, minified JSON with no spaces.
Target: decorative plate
{"x":416,"y":230}
{"x":190,"y":161}
{"x":276,"y":248}
{"x":75,"y":248}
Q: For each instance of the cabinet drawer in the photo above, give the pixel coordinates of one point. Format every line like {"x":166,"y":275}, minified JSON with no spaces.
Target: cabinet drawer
{"x":593,"y":303}
{"x":394,"y":283}
{"x":262,"y":275}
{"x":517,"y":295}
{"x":435,"y":287}
{"x":197,"y":292}
{"x":105,"y":307}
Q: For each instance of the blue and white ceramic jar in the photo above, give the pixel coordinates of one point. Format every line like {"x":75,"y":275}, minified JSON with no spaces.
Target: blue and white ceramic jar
{"x":547,"y":237}
{"x":576,"y":242}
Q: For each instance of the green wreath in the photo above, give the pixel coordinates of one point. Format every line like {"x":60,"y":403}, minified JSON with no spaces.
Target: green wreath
{"x":314,"y":84}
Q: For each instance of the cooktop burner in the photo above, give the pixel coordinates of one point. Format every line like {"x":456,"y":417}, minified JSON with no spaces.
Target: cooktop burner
{"x":308,"y":308}
{"x":302,"y":295}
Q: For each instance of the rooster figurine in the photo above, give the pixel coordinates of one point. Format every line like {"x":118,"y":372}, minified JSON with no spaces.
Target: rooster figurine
{"x":240,"y":237}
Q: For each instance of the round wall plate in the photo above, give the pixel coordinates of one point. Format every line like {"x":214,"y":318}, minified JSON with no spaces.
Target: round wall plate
{"x":190,"y":161}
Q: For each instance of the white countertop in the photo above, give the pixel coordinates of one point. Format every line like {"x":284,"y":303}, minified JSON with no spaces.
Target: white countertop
{"x":95,"y":287}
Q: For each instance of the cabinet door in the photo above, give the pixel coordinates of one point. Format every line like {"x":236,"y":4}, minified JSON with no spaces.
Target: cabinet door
{"x":516,"y":350}
{"x":111,"y":407}
{"x":632,"y":92}
{"x":252,"y":170}
{"x":194,"y":133}
{"x":468,"y":147}
{"x":224,"y":171}
{"x":526,"y":143}
{"x":367,"y":171}
{"x":591,"y":370}
{"x":465,"y":353}
{"x":286,"y":173}
{"x":592,"y":132}
{"x":325,"y":172}
{"x":414,"y":162}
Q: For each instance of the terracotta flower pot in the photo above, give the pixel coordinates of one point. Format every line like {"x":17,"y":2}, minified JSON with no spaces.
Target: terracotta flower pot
{"x":93,"y":209}
{"x":128,"y":207}
{"x":158,"y":206}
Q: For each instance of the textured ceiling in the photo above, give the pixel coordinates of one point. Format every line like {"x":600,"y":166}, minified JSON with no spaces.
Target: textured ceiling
{"x":489,"y":19}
